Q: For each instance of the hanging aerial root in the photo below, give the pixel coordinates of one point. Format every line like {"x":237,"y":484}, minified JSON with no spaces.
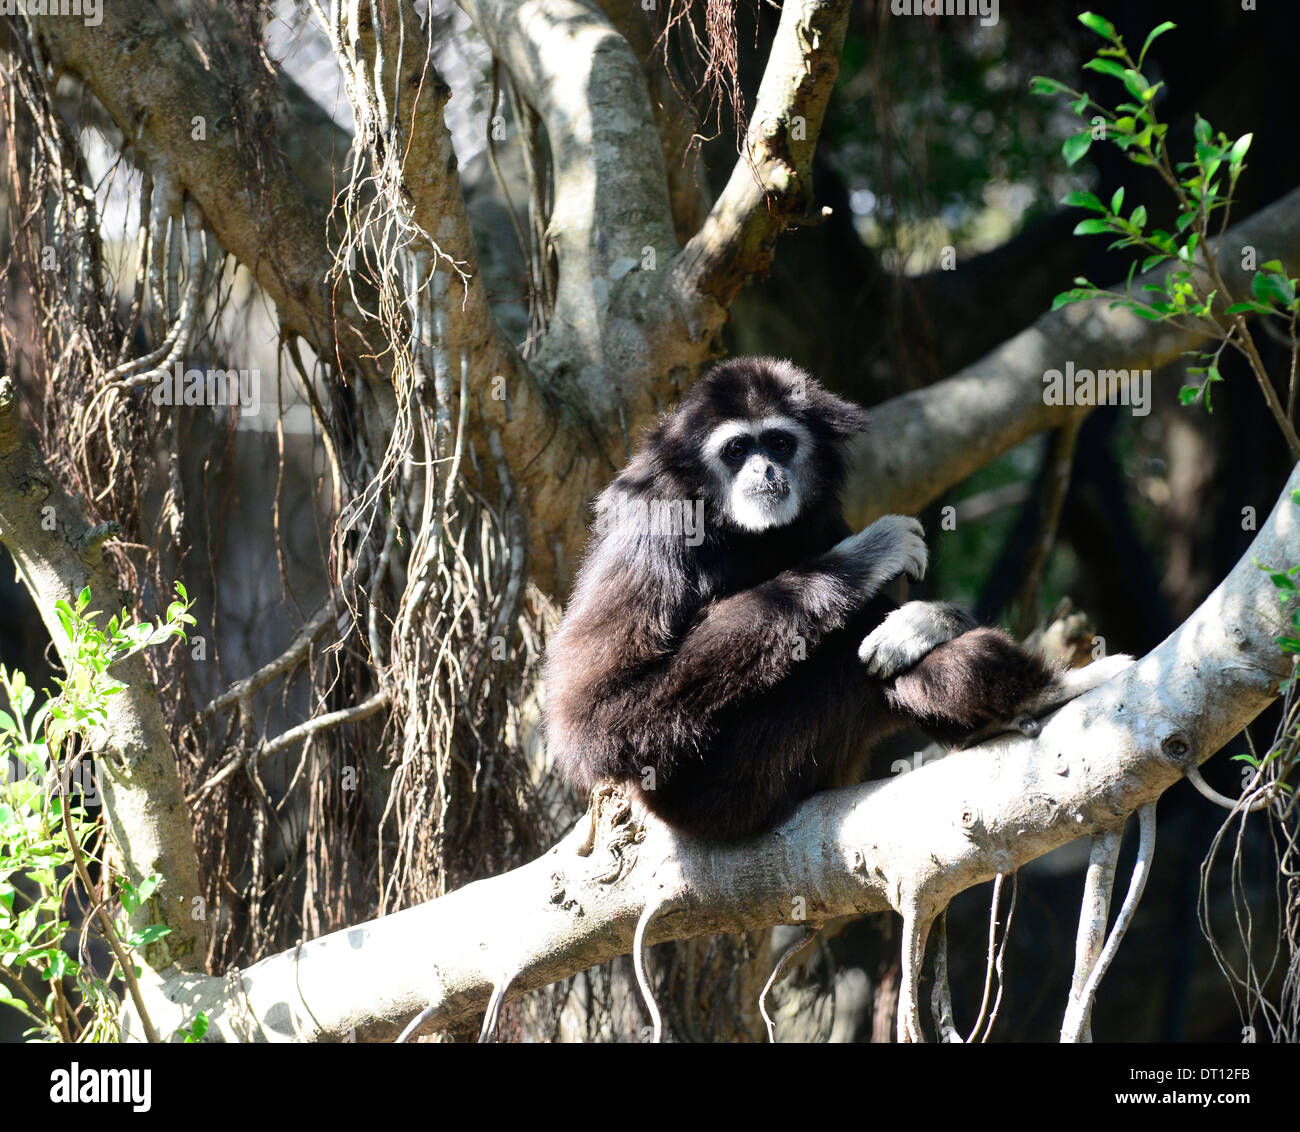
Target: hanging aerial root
{"x":1094,"y":912}
{"x":778,"y":972}
{"x":996,"y":958}
{"x":416,"y":1022}
{"x":1076,"y":1020}
{"x":917,"y":918}
{"x":941,"y":995}
{"x":1207,"y":791}
{"x":492,"y":1016}
{"x":648,"y":913}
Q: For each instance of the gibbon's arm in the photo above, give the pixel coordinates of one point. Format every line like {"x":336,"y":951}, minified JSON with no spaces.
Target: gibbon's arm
{"x":663,"y":712}
{"x":618,"y":702}
{"x":749,"y":641}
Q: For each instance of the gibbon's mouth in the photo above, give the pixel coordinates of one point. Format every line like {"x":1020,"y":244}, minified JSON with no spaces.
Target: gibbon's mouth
{"x":770,"y":491}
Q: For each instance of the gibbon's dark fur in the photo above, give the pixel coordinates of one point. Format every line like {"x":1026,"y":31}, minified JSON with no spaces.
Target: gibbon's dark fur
{"x":723,"y":679}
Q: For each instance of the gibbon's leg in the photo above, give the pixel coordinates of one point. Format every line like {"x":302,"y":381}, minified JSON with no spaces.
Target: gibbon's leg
{"x":1071,"y":684}
{"x":1068,"y":684}
{"x":982,"y":682}
{"x":909,"y":633}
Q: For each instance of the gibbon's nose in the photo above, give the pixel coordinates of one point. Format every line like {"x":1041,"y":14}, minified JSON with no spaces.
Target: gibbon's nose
{"x":769,"y":473}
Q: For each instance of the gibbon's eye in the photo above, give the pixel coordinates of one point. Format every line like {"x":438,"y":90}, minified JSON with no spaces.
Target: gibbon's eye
{"x":736,"y":448}
{"x":779,"y":443}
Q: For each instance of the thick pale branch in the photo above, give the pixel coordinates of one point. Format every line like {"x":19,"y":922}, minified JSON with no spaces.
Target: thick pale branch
{"x":633,"y":320}
{"x":924,"y":442}
{"x":612,"y":209}
{"x":687,"y":179}
{"x":910,"y":843}
{"x":58,"y":554}
{"x":771,"y":186}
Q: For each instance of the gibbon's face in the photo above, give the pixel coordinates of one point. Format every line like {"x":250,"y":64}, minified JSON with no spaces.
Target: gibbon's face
{"x":760,"y":467}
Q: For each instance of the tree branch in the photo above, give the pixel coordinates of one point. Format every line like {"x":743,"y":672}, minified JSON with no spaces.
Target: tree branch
{"x":1094,"y":911}
{"x":910,"y":843}
{"x":58,"y":555}
{"x":771,"y":185}
{"x":611,"y":187}
{"x":934,"y":437}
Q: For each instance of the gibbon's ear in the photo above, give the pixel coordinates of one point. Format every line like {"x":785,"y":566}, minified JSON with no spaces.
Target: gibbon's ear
{"x":842,"y":419}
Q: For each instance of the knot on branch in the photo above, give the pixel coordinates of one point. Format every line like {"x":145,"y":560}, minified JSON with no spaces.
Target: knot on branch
{"x":613,"y":829}
{"x":34,"y":487}
{"x":91,"y":543}
{"x":1177,"y":747}
{"x":560,"y":897}
{"x":970,"y":820}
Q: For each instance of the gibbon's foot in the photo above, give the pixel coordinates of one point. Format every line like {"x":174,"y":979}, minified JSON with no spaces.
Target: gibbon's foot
{"x":892,"y":545}
{"x":909,"y":633}
{"x":1069,"y":685}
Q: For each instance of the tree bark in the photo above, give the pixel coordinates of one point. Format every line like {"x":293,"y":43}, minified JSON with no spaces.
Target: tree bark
{"x":910,"y":843}
{"x":58,"y":555}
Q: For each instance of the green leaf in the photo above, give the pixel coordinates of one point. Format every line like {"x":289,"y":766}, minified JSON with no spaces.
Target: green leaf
{"x":1099,"y":24}
{"x":1092,"y":226}
{"x":1076,"y":146}
{"x":1105,"y":67}
{"x":1271,"y":288}
{"x":1117,"y":200}
{"x":1139,"y":217}
{"x":1238,"y":152}
{"x":1210,"y":157}
{"x":1156,"y":31}
{"x":1039,"y":84}
{"x":197,"y":1029}
{"x":1081,"y":199}
{"x":150,"y":934}
{"x":1075,"y":295}
{"x":1136,"y":84}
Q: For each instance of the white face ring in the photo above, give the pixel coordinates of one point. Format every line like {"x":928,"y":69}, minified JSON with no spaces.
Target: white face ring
{"x":747,"y":511}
